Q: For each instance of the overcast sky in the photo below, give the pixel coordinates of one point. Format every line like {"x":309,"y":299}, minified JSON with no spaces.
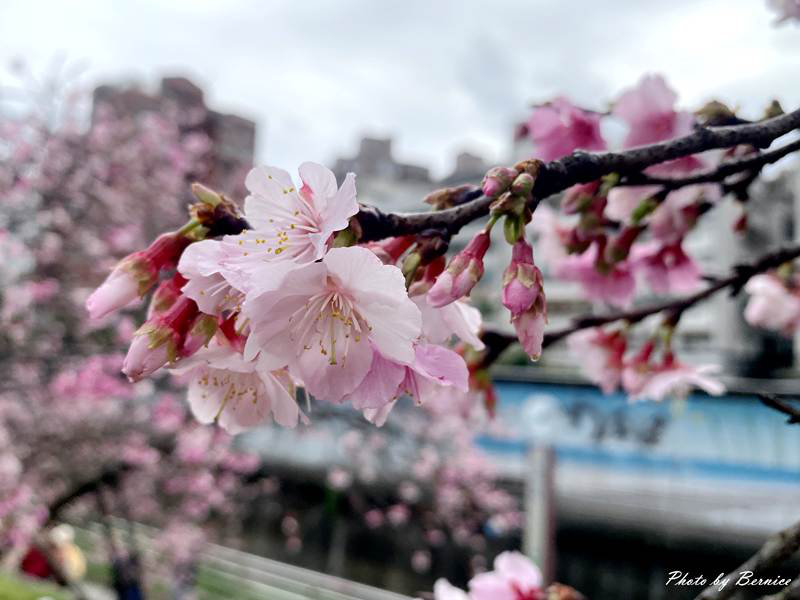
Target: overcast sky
{"x":438,"y":76}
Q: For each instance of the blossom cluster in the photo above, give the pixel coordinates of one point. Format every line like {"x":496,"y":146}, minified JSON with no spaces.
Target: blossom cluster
{"x":611,"y":236}
{"x":250,"y":317}
{"x":514,"y":577}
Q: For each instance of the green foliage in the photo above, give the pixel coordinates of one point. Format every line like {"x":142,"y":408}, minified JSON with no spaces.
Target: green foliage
{"x":14,"y":588}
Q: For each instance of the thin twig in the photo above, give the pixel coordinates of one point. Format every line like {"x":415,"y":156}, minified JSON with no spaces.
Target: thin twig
{"x":673,"y":309}
{"x":772,"y":401}
{"x":722,"y":171}
{"x":580,"y":167}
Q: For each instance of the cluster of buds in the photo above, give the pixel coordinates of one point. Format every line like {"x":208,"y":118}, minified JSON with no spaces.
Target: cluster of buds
{"x":136,"y":274}
{"x":512,"y":190}
{"x":523,"y":296}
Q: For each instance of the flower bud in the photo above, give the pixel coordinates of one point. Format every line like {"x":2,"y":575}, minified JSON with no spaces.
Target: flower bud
{"x":167,"y":292}
{"x":523,"y":296}
{"x":497,"y":180}
{"x":205,"y":194}
{"x":513,"y":228}
{"x":523,"y":185}
{"x":135,"y":274}
{"x":160,"y":339}
{"x":522,"y":280}
{"x":410,"y":265}
{"x":199,"y":334}
{"x":530,"y":329}
{"x":119,"y":289}
{"x":579,"y":197}
{"x":620,"y":246}
{"x":449,"y":197}
{"x":461,"y":275}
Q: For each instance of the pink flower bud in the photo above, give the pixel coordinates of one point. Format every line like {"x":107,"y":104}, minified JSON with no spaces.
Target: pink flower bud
{"x":523,"y":295}
{"x":200,"y":333}
{"x":523,"y":185}
{"x":119,"y":289}
{"x":144,"y":356}
{"x":522,"y":280}
{"x":167,"y":292}
{"x":135,"y":274}
{"x":530,"y":331}
{"x":160,"y":340}
{"x":497,"y":181}
{"x":578,"y":197}
{"x":461,"y":275}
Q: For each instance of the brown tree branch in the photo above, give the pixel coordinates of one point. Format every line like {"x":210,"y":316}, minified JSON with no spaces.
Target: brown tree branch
{"x":718,"y":174}
{"x":775,"y":551}
{"x":580,"y":167}
{"x":772,"y":401}
{"x":739,"y":276}
{"x":791,"y":592}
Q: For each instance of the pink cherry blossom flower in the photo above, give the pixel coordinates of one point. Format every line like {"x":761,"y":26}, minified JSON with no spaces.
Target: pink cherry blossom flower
{"x":433,"y":367}
{"x":463,"y":272}
{"x":135,"y":274}
{"x":649,"y":111}
{"x":459,"y":319}
{"x":551,"y":235}
{"x":623,"y":200}
{"x":238,"y":394}
{"x":291,"y":224}
{"x":677,"y":380}
{"x":616,"y":285}
{"x":444,"y":590}
{"x":786,"y":9}
{"x":678,"y":213}
{"x":514,"y":577}
{"x":323,"y":319}
{"x":666,"y":268}
{"x":599,"y":355}
{"x":559,"y":127}
{"x":211,"y":281}
{"x":642,"y":379}
{"x":772,"y":305}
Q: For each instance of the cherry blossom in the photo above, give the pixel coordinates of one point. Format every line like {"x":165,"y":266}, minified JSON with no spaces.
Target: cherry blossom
{"x":772,"y":305}
{"x":600,"y":356}
{"x":444,"y":590}
{"x":289,"y":223}
{"x":666,"y":268}
{"x":787,"y":9}
{"x":558,"y":127}
{"x":238,"y":394}
{"x":514,"y":577}
{"x":643,"y":379}
{"x":649,"y":111}
{"x":458,"y":319}
{"x":614,"y":284}
{"x":326,"y":319}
